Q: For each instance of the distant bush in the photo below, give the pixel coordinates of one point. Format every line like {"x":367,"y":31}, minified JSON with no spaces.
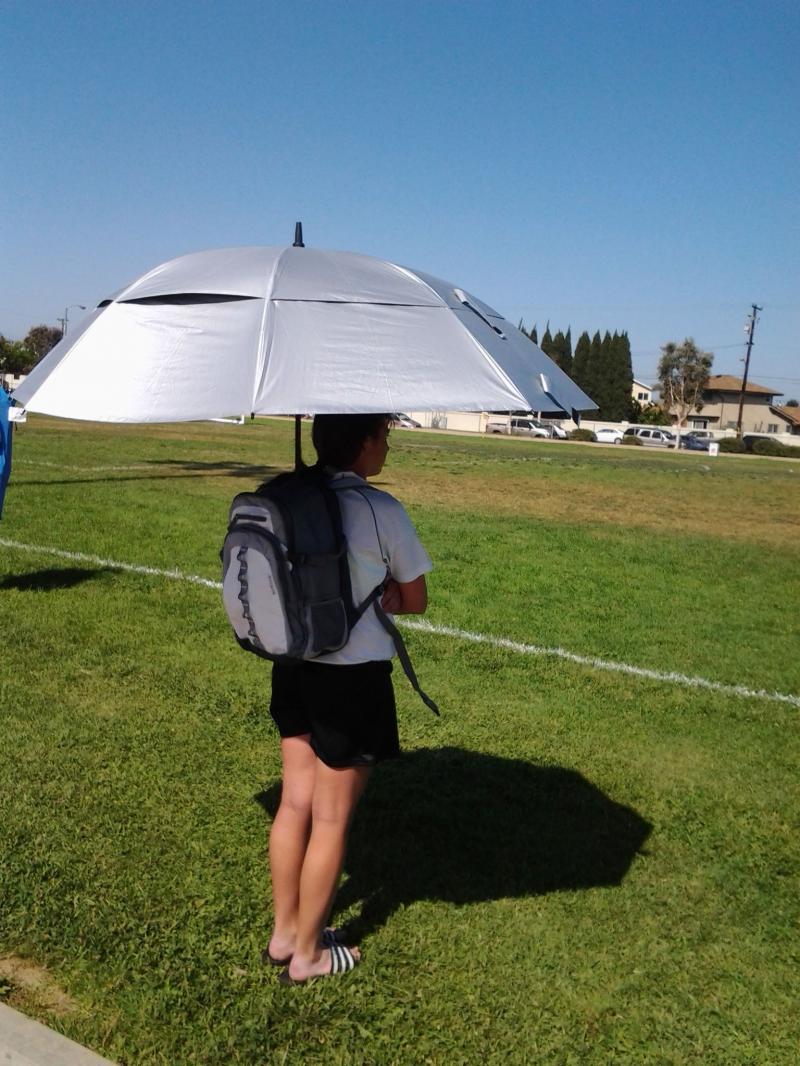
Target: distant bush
{"x":765,"y":446}
{"x":581,"y":434}
{"x":635,"y":441}
{"x":732,"y":444}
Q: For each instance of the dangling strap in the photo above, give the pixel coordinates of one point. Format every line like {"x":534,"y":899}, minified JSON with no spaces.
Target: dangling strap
{"x":402,"y":655}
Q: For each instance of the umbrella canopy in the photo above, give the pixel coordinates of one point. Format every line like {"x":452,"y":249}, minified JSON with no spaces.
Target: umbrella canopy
{"x":282,"y":330}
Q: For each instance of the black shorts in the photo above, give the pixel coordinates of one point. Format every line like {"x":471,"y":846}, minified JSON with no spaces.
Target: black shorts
{"x":348,"y":710}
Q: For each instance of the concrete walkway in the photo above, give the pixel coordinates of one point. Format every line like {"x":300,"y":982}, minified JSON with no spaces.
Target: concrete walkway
{"x":24,"y":1042}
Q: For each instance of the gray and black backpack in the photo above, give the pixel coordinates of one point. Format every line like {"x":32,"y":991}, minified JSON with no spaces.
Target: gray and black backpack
{"x":285,"y":574}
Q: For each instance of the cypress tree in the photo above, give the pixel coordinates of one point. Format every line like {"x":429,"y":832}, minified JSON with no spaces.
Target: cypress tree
{"x":562,"y":351}
{"x":558,"y":350}
{"x":620,"y":380}
{"x":557,"y":354}
{"x":534,"y":336}
{"x":580,"y":363}
{"x":601,"y":369}
{"x":626,"y":363}
{"x":593,"y":387}
{"x":547,"y":341}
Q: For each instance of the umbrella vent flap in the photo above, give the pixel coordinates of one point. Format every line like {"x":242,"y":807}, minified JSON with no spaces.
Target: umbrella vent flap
{"x":462,"y":296}
{"x":184,"y":298}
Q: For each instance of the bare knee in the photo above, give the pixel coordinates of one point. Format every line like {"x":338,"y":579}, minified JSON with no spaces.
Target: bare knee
{"x":296,"y":803}
{"x":336,"y":795}
{"x":299,"y":765}
{"x":331,"y":817}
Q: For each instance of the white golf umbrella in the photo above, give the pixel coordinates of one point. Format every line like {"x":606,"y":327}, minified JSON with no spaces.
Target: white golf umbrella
{"x":282,"y":330}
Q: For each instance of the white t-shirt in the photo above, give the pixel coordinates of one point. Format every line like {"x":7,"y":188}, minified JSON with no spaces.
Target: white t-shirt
{"x":399,"y":545}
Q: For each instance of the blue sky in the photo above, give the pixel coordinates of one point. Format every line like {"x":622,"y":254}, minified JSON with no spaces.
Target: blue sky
{"x":602,"y":165}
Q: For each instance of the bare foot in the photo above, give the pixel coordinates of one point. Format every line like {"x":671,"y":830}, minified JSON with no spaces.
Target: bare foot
{"x":280,"y":948}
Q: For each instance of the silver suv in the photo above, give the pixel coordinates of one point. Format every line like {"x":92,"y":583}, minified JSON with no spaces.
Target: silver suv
{"x":521,"y":427}
{"x":655,"y":437}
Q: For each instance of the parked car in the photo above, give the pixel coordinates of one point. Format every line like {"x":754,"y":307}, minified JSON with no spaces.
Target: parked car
{"x":654,"y":437}
{"x":694,"y":443}
{"x":520,"y":427}
{"x":404,"y":422}
{"x":608,"y":436}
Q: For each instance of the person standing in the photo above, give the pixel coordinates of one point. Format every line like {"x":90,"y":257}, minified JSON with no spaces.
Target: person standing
{"x":336,"y":714}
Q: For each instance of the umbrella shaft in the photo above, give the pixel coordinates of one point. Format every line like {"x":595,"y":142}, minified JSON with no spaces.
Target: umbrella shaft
{"x":298,"y":442}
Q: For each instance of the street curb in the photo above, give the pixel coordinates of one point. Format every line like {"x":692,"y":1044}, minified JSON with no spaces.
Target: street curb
{"x":24,"y":1042}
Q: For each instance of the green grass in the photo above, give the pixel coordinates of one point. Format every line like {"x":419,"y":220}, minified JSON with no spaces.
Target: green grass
{"x":571,"y":866}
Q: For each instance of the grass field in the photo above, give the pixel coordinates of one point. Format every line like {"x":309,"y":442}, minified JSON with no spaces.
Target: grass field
{"x":573,"y":865}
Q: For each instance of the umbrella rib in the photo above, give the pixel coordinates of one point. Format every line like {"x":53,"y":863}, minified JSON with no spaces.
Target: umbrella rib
{"x":506,"y":379}
{"x":264,"y":341}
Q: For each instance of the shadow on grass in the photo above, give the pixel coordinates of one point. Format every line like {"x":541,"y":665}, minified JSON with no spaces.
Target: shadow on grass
{"x":179,"y":468}
{"x":47,"y":580}
{"x":464,"y":827}
{"x":224,"y":467}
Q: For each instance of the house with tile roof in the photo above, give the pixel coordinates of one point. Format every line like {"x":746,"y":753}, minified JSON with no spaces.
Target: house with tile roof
{"x":720,"y":408}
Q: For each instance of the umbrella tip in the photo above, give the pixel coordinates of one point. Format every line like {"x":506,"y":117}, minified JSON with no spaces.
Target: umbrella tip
{"x":298,"y":235}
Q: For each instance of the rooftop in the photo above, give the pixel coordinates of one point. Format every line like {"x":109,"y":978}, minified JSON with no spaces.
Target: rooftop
{"x":792,"y":414}
{"x":728,"y":383}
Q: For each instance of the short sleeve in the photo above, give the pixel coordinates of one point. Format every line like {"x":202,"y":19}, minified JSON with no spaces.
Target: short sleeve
{"x":407,"y":557}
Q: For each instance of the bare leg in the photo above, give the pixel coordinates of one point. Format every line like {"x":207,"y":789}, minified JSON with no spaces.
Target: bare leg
{"x":336,"y":794}
{"x":288,"y":840}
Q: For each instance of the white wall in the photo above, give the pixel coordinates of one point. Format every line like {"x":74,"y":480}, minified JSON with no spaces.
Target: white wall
{"x":467,"y":421}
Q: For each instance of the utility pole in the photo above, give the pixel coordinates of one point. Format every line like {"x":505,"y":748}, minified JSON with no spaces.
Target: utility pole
{"x":752,"y":318}
{"x":65,"y":320}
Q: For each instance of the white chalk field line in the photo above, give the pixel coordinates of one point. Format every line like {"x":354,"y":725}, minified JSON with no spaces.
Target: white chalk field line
{"x":81,"y":469}
{"x":110,"y":564}
{"x":423,"y":626}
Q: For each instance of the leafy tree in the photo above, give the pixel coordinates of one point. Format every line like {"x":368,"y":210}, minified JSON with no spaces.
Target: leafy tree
{"x":792,"y":403}
{"x":15,"y":358}
{"x":683,"y":372}
{"x":651,"y":414}
{"x":41,"y":339}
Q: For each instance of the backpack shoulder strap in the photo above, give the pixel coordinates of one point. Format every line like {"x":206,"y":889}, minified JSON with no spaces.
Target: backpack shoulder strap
{"x":373,"y":598}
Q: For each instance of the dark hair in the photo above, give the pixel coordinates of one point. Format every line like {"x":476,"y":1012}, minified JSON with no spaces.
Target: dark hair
{"x":338,"y":439}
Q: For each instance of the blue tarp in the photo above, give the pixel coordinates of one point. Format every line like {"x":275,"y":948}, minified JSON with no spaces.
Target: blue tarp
{"x":5,"y":444}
